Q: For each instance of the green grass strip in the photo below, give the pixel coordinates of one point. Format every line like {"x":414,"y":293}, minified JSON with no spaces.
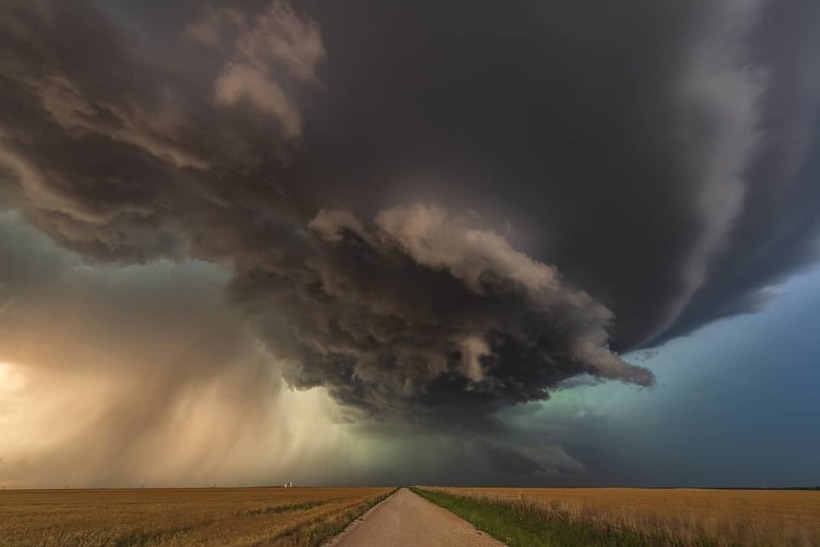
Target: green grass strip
{"x":519,"y":524}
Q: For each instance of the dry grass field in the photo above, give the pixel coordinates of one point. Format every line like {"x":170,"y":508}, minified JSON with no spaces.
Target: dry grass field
{"x":687,"y":516}
{"x":241,"y":516}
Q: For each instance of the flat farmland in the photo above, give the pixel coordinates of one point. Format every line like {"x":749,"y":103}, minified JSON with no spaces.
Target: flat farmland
{"x":208,"y":516}
{"x":683,"y":516}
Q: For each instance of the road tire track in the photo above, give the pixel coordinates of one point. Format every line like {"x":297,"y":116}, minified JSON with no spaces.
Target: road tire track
{"x":406,"y":519}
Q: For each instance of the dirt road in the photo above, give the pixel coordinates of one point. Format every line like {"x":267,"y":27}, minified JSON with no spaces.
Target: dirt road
{"x":405,"y":519}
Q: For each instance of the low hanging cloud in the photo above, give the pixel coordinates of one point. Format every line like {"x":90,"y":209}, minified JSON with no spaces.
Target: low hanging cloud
{"x":423,"y":308}
{"x":426,"y":224}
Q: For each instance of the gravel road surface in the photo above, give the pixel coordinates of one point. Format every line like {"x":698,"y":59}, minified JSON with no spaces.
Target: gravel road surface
{"x":406,"y":519}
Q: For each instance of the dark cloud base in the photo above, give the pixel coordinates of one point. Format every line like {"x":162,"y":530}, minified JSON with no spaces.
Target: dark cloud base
{"x":432,"y":209}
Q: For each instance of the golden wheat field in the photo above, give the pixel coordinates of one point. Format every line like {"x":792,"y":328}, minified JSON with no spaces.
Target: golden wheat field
{"x":208,"y":516}
{"x":725,"y":517}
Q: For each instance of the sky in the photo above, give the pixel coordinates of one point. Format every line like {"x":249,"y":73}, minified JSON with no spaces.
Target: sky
{"x":382,"y":242}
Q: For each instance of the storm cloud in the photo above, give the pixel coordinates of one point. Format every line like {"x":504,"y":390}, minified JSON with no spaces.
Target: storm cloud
{"x":429,"y":209}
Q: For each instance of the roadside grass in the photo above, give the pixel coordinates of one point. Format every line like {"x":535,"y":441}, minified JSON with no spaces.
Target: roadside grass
{"x":322,"y":531}
{"x":665,"y":516}
{"x":521,"y":524}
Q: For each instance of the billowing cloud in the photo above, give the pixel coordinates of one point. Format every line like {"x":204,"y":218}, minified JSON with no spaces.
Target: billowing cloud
{"x":405,"y":311}
{"x":429,"y":225}
{"x":275,"y":39}
{"x":424,"y":309}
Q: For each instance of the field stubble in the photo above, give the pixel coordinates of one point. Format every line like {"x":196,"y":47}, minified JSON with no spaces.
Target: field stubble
{"x":678,"y":516}
{"x":681,"y":516}
{"x":171,"y":517}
